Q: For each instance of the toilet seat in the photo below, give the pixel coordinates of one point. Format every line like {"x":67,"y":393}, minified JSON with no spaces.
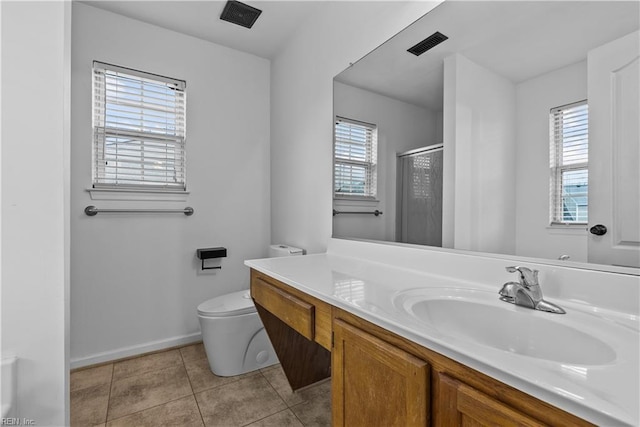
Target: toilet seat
{"x":233,"y":304}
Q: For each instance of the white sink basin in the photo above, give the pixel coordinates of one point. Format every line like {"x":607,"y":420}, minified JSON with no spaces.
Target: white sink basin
{"x":480,"y":317}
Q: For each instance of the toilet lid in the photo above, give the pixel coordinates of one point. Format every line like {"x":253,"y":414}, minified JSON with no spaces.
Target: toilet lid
{"x":232,"y":304}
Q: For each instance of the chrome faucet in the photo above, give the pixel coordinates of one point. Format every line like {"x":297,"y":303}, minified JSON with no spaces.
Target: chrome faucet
{"x":527,"y":291}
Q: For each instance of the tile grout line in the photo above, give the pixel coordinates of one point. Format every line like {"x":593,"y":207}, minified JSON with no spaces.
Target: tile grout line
{"x":106,"y":415}
{"x":89,"y":386}
{"x":264,"y":418}
{"x":235,"y":379}
{"x":274,"y":389}
{"x":164,"y":403}
{"x":154,"y":371}
{"x":152,"y":407}
{"x":259,"y":372}
{"x":314,"y":385}
{"x":192,"y":390}
{"x":145,"y":373}
{"x":296,"y":415}
{"x":112,"y":380}
{"x":289,"y":407}
{"x":149,"y":371}
{"x":135,"y":356}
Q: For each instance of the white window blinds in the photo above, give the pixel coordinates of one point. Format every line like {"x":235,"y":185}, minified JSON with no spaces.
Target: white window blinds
{"x":138,"y":129}
{"x":569,"y":149}
{"x":355,"y":159}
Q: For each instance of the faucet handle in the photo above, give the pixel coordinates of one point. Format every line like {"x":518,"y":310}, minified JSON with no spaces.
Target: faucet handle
{"x":528,"y":277}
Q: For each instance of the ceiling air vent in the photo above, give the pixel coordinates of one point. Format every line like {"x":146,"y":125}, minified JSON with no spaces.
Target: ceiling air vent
{"x":240,"y":13}
{"x":430,"y":42}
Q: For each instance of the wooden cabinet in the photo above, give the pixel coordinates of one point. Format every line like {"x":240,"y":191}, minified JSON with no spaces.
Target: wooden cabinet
{"x":457,"y":404}
{"x":307,"y":315}
{"x":299,"y":327}
{"x":293,"y":311}
{"x":389,"y":368}
{"x":382,"y":379}
{"x":375,"y":383}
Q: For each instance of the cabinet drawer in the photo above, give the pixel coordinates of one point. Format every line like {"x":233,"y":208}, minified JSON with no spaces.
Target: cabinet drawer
{"x":293,"y":311}
{"x":321,"y":316}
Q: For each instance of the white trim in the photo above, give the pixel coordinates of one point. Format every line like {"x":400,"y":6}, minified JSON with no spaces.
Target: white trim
{"x":180,"y":84}
{"x":142,"y":195}
{"x":135,"y":350}
{"x":355,"y":122}
{"x":567,"y":228}
{"x":517,"y":259}
{"x":426,"y":149}
{"x":344,"y":201}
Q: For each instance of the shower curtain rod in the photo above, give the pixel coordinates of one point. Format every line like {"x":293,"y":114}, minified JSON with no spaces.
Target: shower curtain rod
{"x":427,"y":149}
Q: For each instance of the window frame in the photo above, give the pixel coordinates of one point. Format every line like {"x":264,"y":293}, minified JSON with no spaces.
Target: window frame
{"x":557,"y":149}
{"x":370,"y":163}
{"x":172,"y":141}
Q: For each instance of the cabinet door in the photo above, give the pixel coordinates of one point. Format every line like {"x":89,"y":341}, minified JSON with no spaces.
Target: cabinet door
{"x":375,"y":383}
{"x":457,"y":404}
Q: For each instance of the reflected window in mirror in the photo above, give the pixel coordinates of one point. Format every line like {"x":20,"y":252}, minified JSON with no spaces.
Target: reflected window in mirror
{"x":355,"y":159}
{"x":569,"y":148}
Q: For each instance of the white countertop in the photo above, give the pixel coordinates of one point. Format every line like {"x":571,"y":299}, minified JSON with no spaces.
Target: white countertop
{"x":605,"y":394}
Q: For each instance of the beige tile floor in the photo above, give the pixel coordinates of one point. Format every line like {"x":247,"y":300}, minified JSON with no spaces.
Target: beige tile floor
{"x":176,"y":388}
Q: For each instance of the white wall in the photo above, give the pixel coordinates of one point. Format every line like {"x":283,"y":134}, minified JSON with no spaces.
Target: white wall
{"x":401,"y":127}
{"x":535,"y":98}
{"x":135,"y":279}
{"x":35,"y":143}
{"x":302,"y":109}
{"x":479,"y":158}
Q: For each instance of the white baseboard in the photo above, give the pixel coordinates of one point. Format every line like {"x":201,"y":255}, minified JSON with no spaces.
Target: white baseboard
{"x":135,"y":350}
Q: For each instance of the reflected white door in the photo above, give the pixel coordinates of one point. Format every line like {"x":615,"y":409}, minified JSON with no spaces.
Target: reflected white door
{"x":614,"y":152}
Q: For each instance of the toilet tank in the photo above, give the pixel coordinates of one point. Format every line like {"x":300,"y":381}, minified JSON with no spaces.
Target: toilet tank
{"x":284,"y":250}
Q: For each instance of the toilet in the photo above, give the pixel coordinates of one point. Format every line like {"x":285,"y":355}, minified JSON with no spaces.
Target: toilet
{"x":233,"y":335}
{"x":234,"y":339}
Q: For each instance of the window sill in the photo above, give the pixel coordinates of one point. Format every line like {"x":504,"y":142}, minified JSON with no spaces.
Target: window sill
{"x":141,"y":195}
{"x":573,"y":229}
{"x":351,"y":203}
{"x":355,"y":200}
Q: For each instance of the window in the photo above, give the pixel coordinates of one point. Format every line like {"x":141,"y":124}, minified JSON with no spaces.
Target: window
{"x":355,"y":156}
{"x":138,"y":130}
{"x":569,"y":163}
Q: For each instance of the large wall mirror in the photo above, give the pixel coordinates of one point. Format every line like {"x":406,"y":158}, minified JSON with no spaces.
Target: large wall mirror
{"x":513,"y":130}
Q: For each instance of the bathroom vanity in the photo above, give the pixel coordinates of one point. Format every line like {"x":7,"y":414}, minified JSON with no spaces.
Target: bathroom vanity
{"x":375,"y":327}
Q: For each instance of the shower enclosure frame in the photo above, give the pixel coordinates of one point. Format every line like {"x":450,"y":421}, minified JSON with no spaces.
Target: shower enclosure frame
{"x":400,"y":220}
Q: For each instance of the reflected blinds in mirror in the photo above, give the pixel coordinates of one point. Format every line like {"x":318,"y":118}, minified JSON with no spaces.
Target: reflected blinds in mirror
{"x":569,"y":148}
{"x":355,"y":159}
{"x":420,"y":192}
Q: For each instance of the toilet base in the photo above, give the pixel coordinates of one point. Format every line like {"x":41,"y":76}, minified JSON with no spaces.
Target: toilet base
{"x":259,"y":354}
{"x":236,"y":345}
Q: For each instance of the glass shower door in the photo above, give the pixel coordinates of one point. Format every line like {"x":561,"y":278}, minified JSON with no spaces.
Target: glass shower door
{"x":420,"y":196}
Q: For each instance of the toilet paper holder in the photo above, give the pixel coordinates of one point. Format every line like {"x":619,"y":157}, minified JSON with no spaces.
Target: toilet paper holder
{"x":209,"y":253}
